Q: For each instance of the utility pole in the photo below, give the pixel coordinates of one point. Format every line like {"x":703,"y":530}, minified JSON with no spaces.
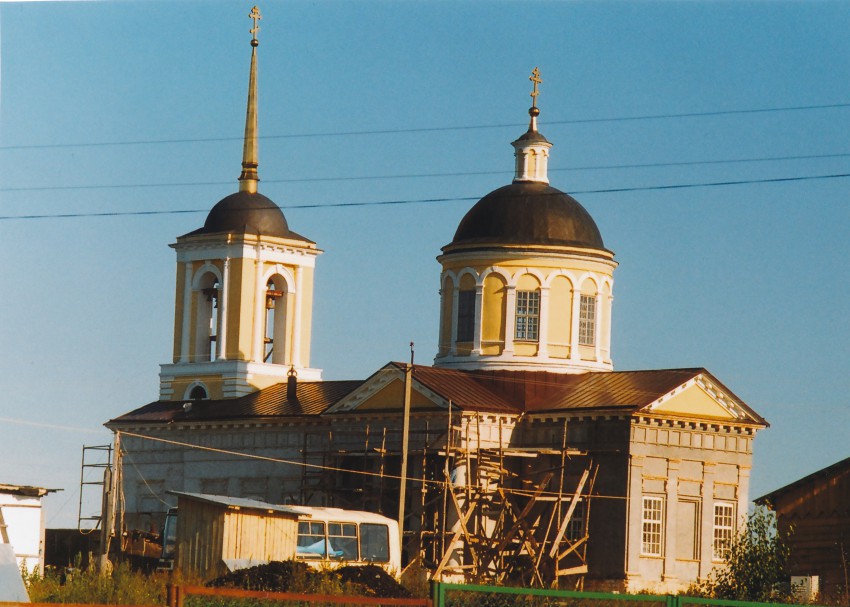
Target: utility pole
{"x":405,"y":435}
{"x":111,"y":481}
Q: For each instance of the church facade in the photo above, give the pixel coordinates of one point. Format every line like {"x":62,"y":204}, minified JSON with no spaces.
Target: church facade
{"x":529,"y":459}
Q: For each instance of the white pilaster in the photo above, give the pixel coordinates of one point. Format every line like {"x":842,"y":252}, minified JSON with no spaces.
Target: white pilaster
{"x":670,"y":519}
{"x":597,"y":326}
{"x":259,"y":309}
{"x":574,"y":323}
{"x":707,"y":535}
{"x":296,"y":329}
{"x":455,"y":307}
{"x":221,"y":339}
{"x":510,"y":319}
{"x":476,"y":336}
{"x":185,"y":330}
{"x":543,"y":328}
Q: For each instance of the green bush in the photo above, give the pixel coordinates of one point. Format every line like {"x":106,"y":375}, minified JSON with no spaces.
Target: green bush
{"x":122,"y":587}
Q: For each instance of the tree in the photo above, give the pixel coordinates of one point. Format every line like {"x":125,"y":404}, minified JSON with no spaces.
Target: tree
{"x":756,"y":566}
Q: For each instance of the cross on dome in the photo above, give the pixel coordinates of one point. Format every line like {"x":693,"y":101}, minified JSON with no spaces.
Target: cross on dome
{"x":535,"y":78}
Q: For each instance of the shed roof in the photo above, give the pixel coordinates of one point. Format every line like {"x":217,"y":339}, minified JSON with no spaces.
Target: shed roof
{"x":25,"y":490}
{"x":770,"y":499}
{"x":240,"y":503}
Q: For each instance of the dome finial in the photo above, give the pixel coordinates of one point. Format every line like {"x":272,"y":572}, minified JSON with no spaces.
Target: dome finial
{"x":534,"y":111}
{"x":250,"y":156}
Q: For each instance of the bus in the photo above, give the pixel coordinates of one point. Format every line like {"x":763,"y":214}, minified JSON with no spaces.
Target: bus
{"x":326,"y":537}
{"x":334,"y":536}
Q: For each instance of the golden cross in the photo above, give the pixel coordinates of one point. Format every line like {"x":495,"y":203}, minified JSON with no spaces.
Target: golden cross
{"x":255,"y":15}
{"x":535,"y":78}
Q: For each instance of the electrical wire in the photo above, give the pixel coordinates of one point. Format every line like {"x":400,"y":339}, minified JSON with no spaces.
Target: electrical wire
{"x":421,"y":481}
{"x":602,"y":167}
{"x":680,"y":186}
{"x":666,"y":116}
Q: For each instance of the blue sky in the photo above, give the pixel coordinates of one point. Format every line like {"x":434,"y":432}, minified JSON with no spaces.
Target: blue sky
{"x":404,"y":101}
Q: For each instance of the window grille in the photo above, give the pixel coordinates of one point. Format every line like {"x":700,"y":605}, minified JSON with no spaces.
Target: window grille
{"x":652,"y":526}
{"x":724,"y":528}
{"x":587,"y":321}
{"x":527,"y":315}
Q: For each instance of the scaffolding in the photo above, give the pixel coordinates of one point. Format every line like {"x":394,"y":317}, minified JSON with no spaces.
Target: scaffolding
{"x":476,"y":511}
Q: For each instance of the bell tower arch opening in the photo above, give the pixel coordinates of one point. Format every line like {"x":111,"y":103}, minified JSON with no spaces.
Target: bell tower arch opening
{"x":207,"y":296}
{"x":274,"y":333}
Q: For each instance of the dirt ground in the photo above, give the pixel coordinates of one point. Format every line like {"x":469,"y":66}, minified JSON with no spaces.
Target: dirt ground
{"x":294,"y":576}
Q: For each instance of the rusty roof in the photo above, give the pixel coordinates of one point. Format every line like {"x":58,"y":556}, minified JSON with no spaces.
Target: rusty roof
{"x":311,"y":398}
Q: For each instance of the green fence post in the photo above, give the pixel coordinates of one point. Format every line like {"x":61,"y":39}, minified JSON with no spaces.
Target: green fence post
{"x":435,"y":594}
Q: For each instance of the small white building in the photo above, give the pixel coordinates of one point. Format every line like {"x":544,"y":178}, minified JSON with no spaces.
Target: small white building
{"x":22,"y":524}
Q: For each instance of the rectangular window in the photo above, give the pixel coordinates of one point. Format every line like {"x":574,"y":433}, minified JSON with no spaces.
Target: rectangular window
{"x":312,"y":543}
{"x":575,"y":528}
{"x":374,"y":543}
{"x":724,"y":528}
{"x":587,"y":321}
{"x":527,"y":315}
{"x":652,"y":526}
{"x":342,"y":541}
{"x":466,"y":315}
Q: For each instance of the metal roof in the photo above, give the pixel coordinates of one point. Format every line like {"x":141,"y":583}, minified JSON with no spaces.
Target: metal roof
{"x":510,"y":392}
{"x":25,"y":490}
{"x":311,"y":398}
{"x":237,"y":502}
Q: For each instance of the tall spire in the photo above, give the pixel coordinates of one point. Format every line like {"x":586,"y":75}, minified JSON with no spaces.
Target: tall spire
{"x":532,"y":149}
{"x":250,"y":156}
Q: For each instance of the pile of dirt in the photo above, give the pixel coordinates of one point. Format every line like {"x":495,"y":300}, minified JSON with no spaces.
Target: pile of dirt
{"x":374,"y":581}
{"x":276,"y":576}
{"x":295,"y":576}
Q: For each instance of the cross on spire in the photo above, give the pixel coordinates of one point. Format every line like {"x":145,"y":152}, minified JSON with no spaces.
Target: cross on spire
{"x":255,"y":15}
{"x":535,"y":78}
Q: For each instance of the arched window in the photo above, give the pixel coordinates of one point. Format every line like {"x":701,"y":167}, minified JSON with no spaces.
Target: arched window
{"x":198,"y":393}
{"x":274,"y":332}
{"x":207,"y":318}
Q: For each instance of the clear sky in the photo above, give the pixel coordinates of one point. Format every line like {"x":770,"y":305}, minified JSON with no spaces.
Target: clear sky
{"x":117,"y":107}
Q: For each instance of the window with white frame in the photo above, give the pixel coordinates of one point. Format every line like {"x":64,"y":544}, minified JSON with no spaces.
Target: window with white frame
{"x":587,"y":321}
{"x":465,"y":315}
{"x":652,"y":525}
{"x":724,"y":529}
{"x":527,"y":315}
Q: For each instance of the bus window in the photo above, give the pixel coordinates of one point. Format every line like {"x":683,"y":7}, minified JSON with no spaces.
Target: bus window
{"x":311,"y":541}
{"x":342,"y":540}
{"x":374,"y":543}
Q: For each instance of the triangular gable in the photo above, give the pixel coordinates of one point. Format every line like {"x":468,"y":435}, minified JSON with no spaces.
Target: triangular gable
{"x":384,"y":391}
{"x":700,"y":398}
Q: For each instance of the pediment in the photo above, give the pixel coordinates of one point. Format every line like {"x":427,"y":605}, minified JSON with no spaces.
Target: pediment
{"x":384,"y":391}
{"x":700,"y":398}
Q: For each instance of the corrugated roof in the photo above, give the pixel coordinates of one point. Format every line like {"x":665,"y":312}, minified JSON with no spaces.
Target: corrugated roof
{"x":312,"y":398}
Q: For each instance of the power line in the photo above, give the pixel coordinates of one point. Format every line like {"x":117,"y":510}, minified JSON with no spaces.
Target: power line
{"x":331,"y":205}
{"x":797,"y":108}
{"x":643,"y":165}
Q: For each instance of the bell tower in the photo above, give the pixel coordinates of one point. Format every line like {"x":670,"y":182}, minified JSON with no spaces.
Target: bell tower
{"x":244,"y":289}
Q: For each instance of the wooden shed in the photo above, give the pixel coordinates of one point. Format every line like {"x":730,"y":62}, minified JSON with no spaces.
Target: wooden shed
{"x":217,"y":533}
{"x":817,"y":509}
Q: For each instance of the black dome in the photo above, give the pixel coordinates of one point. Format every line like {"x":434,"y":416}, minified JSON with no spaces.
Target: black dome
{"x":244,"y":212}
{"x":528,"y":213}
